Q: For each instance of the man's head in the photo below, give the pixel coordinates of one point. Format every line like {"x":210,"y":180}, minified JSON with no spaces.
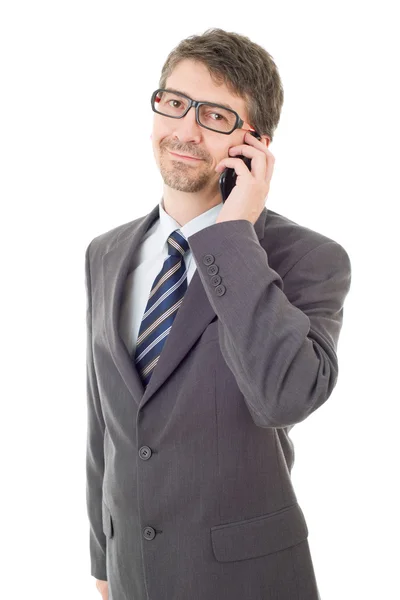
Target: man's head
{"x":223,"y":68}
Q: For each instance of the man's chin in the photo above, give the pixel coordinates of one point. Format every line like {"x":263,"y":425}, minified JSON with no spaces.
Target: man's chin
{"x":191,"y":188}
{"x":185,"y":183}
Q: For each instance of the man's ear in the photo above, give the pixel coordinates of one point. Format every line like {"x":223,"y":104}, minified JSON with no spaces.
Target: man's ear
{"x":265,"y":140}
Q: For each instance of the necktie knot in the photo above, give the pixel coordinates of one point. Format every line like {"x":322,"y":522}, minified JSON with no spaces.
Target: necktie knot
{"x":177,"y":244}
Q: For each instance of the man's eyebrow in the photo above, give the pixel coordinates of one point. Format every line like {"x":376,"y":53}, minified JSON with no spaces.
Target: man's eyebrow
{"x":186,"y":94}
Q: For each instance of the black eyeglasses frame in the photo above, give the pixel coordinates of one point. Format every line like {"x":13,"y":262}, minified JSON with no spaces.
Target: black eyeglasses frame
{"x":197,"y":103}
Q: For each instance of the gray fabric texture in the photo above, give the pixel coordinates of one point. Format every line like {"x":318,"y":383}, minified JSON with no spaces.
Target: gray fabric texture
{"x":189,"y":490}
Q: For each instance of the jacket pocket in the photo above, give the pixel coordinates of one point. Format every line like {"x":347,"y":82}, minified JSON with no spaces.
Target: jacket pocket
{"x":259,"y":536}
{"x":108,"y":528}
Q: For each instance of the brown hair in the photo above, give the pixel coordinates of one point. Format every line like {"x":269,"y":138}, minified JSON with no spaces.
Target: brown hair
{"x":243,"y":66}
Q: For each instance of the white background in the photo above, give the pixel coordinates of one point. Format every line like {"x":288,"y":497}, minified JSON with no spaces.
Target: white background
{"x":76,"y":160}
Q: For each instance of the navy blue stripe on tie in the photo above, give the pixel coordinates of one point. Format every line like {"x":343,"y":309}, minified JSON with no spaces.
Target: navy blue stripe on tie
{"x":165,"y":298}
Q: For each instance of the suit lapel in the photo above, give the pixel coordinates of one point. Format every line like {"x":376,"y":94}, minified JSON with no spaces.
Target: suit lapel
{"x":192,"y":318}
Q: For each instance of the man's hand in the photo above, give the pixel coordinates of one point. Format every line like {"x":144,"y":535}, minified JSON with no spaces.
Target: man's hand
{"x":102,"y":586}
{"x":248,"y":197}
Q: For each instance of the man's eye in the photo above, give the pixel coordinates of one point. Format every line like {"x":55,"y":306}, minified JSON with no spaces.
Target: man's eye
{"x":221,"y":117}
{"x":176,"y":102}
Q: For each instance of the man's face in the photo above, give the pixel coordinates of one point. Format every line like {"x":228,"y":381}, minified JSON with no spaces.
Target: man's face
{"x":184,"y":136}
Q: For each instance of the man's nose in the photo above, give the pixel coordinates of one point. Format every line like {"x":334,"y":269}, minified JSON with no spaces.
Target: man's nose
{"x":187,"y":128}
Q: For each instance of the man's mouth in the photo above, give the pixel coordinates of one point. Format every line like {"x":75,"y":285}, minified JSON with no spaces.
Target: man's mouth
{"x":184,"y":157}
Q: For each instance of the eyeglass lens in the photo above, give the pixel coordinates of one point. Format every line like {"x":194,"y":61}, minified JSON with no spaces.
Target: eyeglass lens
{"x":172,"y":104}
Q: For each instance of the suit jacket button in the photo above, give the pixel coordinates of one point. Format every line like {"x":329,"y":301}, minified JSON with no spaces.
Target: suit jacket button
{"x":220,"y":290}
{"x":149,"y":533}
{"x":216,"y":280}
{"x":208,"y":259}
{"x":212,"y":270}
{"x":145,"y":452}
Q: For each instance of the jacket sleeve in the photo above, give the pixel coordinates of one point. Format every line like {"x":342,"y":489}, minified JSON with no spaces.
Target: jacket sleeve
{"x":278,"y":336}
{"x":94,"y":449}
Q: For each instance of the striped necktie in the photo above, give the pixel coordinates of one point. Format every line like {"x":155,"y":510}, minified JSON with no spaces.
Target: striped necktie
{"x":165,"y":298}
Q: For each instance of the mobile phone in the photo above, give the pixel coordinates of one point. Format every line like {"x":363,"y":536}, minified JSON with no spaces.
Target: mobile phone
{"x":227,"y":180}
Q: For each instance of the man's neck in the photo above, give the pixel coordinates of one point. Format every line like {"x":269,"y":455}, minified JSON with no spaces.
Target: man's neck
{"x":183,"y":206}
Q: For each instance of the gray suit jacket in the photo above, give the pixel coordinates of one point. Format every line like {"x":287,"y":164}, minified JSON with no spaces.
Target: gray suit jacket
{"x":189,"y":493}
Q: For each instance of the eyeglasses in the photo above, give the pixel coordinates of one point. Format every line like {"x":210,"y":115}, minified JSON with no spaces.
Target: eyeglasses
{"x":211,"y":116}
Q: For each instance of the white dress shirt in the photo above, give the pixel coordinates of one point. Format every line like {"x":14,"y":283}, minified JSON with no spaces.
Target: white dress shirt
{"x":148,"y":262}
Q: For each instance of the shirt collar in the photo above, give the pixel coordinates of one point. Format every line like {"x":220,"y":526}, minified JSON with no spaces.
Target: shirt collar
{"x":168,"y":224}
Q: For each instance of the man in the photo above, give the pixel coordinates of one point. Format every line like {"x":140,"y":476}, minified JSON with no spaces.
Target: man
{"x":189,"y":491}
